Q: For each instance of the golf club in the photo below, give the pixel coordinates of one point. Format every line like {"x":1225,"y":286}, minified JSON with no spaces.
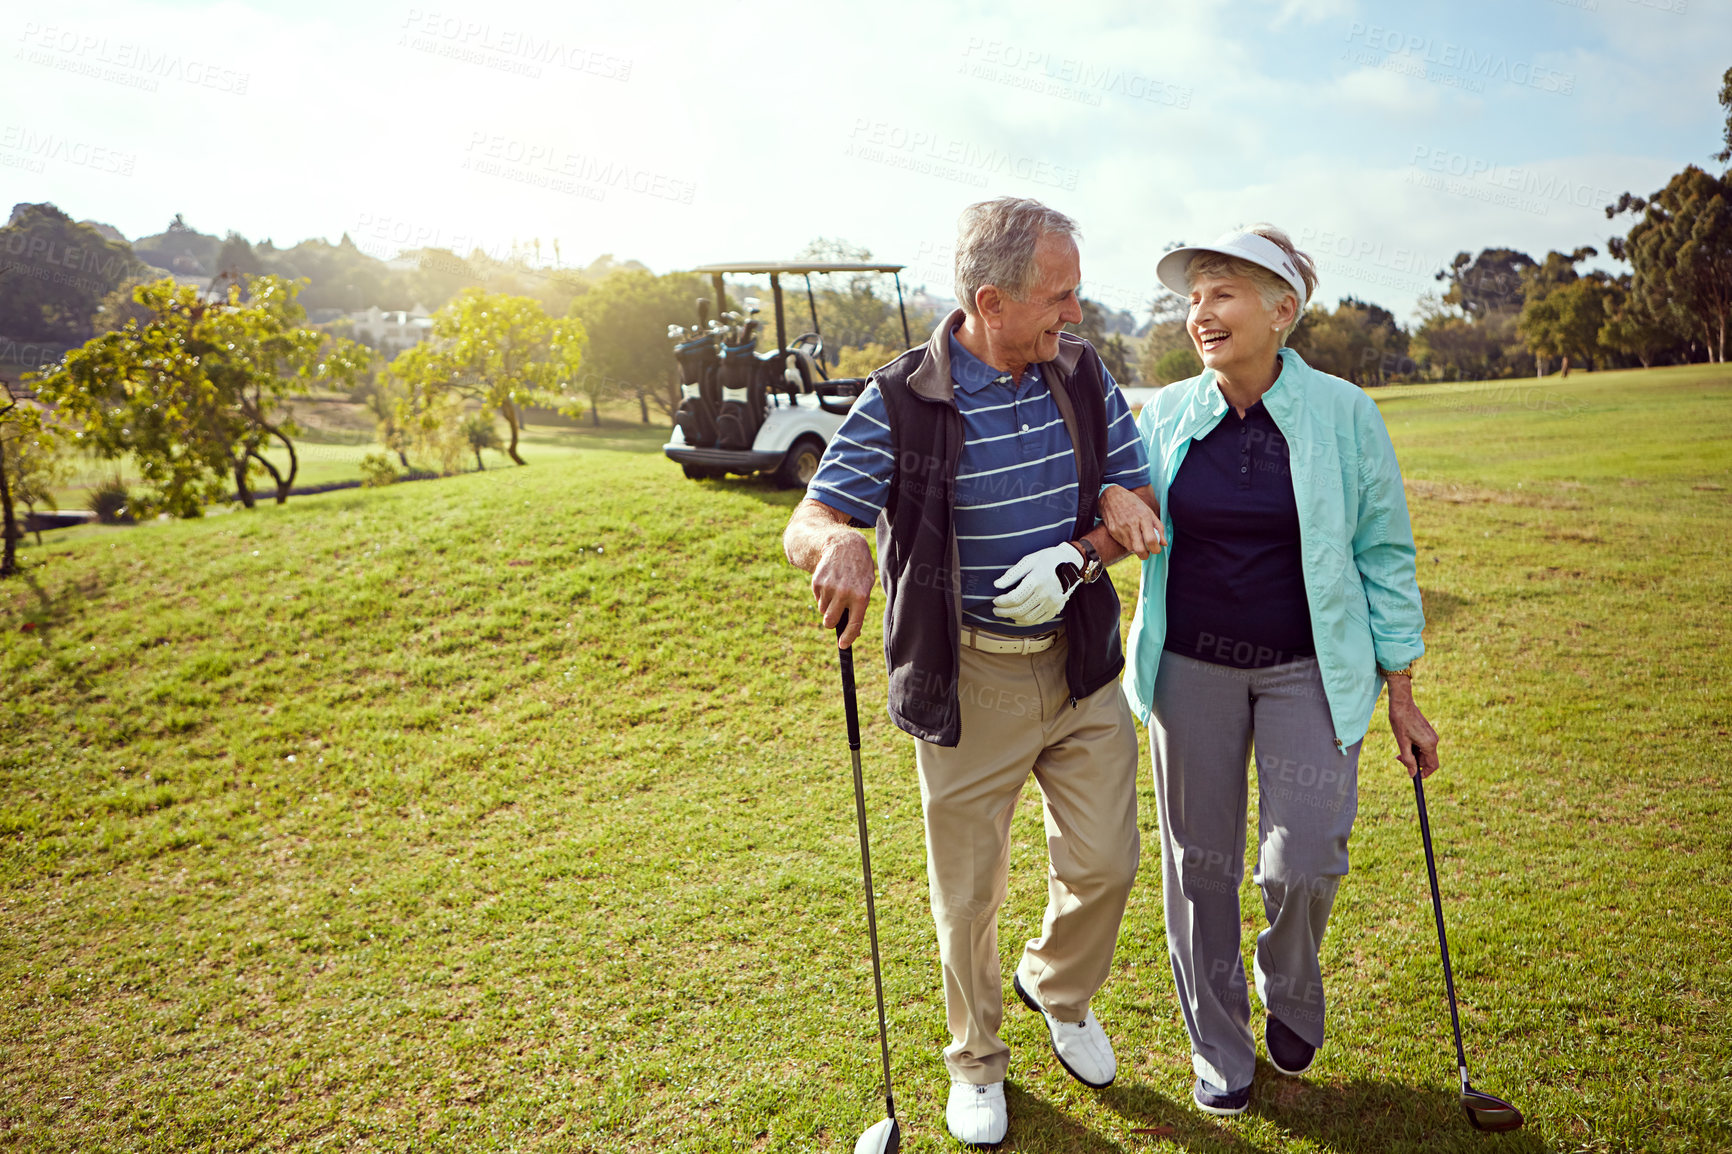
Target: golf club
{"x":1483,"y":1110}
{"x":882,"y":1137}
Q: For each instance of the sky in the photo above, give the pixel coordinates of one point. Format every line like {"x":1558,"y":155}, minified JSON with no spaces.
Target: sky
{"x":1383,"y":137}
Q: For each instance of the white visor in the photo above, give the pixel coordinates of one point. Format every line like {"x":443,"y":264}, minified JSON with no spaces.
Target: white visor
{"x":1248,"y":246}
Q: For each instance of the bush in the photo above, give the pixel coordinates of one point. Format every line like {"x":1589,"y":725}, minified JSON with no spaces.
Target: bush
{"x":376,"y":470}
{"x":111,"y":503}
{"x":1177,"y":365}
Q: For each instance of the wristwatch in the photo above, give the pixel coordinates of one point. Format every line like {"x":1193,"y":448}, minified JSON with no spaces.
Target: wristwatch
{"x":1405,"y":671}
{"x":1092,"y":567}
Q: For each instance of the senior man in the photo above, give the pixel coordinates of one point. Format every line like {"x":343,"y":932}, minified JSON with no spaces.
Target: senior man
{"x":981,"y":457}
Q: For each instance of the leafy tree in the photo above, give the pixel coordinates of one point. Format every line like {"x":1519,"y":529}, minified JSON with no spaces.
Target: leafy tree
{"x":180,"y":248}
{"x":1486,"y":284}
{"x":1359,"y":341}
{"x":119,"y":306}
{"x":236,"y":259}
{"x":32,"y":460}
{"x":495,"y":351}
{"x":862,"y":361}
{"x":1166,"y":335}
{"x":1453,"y":348}
{"x":1176,"y":364}
{"x":626,"y":316}
{"x":1566,"y":322}
{"x":58,"y":272}
{"x":199,"y":391}
{"x":851,"y":309}
{"x":1100,"y":327}
{"x":479,"y":432}
{"x":28,"y":468}
{"x":1631,"y":330}
{"x":1680,"y":251}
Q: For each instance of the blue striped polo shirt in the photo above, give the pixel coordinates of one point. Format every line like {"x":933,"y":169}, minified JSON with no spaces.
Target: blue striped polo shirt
{"x":1016,"y":484}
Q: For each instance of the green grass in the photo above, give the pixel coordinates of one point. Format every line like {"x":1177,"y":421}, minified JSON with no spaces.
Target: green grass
{"x":337,"y":433}
{"x":512,"y":812}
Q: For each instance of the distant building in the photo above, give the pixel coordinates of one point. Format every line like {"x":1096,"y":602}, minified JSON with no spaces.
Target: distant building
{"x":390,"y":331}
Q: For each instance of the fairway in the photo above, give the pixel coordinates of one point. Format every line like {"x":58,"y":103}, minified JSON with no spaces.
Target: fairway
{"x":513,"y":812}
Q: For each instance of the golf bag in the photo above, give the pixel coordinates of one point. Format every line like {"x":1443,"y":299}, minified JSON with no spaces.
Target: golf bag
{"x":700,"y":388}
{"x":744,"y":405}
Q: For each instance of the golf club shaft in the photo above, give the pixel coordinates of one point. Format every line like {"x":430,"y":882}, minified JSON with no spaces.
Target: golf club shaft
{"x":846,"y":658}
{"x":1437,"y":910}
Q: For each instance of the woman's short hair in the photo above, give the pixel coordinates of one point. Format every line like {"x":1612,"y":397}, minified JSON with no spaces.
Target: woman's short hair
{"x":1270,"y":286}
{"x":995,"y":245}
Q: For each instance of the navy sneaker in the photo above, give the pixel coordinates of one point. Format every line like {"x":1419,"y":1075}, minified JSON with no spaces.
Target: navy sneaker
{"x":1211,"y":1099}
{"x":1288,"y":1052}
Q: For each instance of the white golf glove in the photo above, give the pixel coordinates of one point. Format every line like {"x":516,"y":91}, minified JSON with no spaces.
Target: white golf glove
{"x":1044,"y":581}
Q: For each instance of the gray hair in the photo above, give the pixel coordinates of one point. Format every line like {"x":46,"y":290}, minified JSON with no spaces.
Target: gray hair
{"x":995,"y":245}
{"x":1271,"y":288}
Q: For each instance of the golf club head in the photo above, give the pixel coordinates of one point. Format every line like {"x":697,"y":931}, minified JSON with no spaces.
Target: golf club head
{"x":883,"y":1138}
{"x":1488,"y":1113}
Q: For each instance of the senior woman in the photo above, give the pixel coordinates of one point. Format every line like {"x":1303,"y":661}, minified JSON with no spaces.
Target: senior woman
{"x":1284,"y":601}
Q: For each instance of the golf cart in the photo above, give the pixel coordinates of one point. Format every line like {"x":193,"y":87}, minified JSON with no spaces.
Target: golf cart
{"x":746,"y":412}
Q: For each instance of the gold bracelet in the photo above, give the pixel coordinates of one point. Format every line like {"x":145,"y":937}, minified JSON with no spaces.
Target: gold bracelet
{"x":1405,"y":671}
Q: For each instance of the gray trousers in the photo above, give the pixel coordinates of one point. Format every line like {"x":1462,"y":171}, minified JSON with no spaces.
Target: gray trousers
{"x":1207,"y":720}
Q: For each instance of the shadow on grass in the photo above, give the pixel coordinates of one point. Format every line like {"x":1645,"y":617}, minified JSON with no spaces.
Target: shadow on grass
{"x":1358,"y":1117}
{"x":1036,"y":1125}
{"x":1440,"y":606}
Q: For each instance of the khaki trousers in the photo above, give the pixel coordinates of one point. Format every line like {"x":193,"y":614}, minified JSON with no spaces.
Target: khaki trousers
{"x":1017,"y":719}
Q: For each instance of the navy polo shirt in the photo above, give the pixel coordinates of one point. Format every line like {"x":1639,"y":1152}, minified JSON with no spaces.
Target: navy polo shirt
{"x":1235,"y":582}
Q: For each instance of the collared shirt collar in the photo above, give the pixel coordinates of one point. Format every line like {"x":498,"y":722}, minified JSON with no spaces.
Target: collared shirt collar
{"x":972,"y":374}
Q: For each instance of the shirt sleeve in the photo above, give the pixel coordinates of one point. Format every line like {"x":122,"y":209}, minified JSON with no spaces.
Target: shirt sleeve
{"x":1127,"y":464}
{"x":854,"y":474}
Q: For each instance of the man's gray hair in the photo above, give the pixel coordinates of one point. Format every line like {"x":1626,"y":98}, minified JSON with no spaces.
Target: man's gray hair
{"x":995,"y":245}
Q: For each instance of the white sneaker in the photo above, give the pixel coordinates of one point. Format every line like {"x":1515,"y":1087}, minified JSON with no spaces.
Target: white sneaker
{"x":1081,"y":1047}
{"x":976,"y":1114}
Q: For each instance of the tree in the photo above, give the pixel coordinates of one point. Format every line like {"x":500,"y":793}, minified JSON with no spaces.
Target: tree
{"x":626,"y":316}
{"x":57,"y":272}
{"x":1176,"y":364}
{"x":31,"y":461}
{"x":1633,"y":331}
{"x":199,"y":391}
{"x":479,"y":432}
{"x":1564,"y":311}
{"x":1566,"y":322}
{"x":1680,"y":251}
{"x":861,"y":362}
{"x":1359,"y":341}
{"x":1453,"y":348}
{"x":1099,"y":328}
{"x":19,"y":423}
{"x":496,"y":351}
{"x":1485,"y":284}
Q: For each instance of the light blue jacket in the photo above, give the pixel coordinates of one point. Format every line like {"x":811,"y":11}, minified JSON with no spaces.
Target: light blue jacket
{"x":1355,"y":540}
